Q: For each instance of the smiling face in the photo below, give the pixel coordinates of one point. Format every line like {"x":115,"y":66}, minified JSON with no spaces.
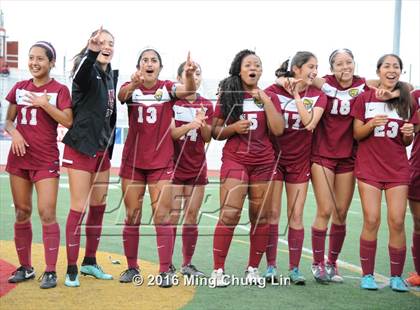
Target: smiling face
{"x":342,"y":67}
{"x":308,"y":71}
{"x":150,"y":66}
{"x":389,"y":72}
{"x":251,"y":70}
{"x":107,"y":48}
{"x":39,"y":65}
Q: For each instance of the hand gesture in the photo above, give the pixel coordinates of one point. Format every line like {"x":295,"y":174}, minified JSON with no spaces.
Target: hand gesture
{"x":190,"y":66}
{"x":242,"y":126}
{"x":407,"y":129}
{"x":19,"y":143}
{"x":36,"y":101}
{"x":94,"y":43}
{"x":137,"y":78}
{"x":383,"y":94}
{"x":378,"y":120}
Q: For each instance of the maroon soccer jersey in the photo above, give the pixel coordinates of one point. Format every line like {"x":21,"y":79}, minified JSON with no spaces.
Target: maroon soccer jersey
{"x":253,"y":148}
{"x":333,"y":137}
{"x":149,"y":143}
{"x":295,"y":144}
{"x":190,"y":154}
{"x":37,"y":127}
{"x":415,"y":152}
{"x":381,"y":156}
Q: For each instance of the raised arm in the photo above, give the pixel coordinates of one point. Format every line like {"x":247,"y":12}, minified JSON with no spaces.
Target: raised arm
{"x":189,"y":88}
{"x":275,"y":120}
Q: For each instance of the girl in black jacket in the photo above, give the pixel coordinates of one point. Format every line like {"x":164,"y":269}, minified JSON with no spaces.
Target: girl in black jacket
{"x":88,"y":150}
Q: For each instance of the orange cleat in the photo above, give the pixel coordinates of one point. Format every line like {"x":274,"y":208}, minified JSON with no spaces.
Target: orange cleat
{"x":413,"y":279}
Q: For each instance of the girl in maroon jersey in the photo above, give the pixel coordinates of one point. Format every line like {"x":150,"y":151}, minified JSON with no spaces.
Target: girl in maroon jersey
{"x":88,"y":149}
{"x":302,"y":106}
{"x":148,"y":157}
{"x":38,"y":104}
{"x":383,"y":128}
{"x":332,"y":159}
{"x":244,"y":116}
{"x":193,"y":116}
{"x":414,"y":196}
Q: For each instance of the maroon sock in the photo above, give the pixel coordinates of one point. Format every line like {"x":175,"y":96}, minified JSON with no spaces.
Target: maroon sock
{"x":74,"y":220}
{"x":258,"y":238}
{"x":23,"y":243}
{"x":295,"y":239}
{"x":318,"y":245}
{"x":94,"y":229}
{"x":415,"y":250}
{"x":397,"y":260}
{"x":189,"y":240}
{"x":174,"y":229}
{"x":51,"y":238}
{"x":221,"y":242}
{"x":131,"y":236}
{"x":337,"y":235}
{"x":164,"y":239}
{"x":367,"y":256}
{"x":271,"y":251}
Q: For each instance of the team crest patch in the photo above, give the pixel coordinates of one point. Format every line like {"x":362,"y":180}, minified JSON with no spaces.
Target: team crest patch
{"x":308,"y":103}
{"x":258,"y":103}
{"x":48,"y":97}
{"x":353,"y":92}
{"x":158,"y":95}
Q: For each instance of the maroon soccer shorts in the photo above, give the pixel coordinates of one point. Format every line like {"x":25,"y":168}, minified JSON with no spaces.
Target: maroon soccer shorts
{"x":128,"y":171}
{"x":234,"y":170}
{"x":294,"y":173}
{"x":382,"y":185}
{"x":33,"y":175}
{"x":79,"y":161}
{"x":414,"y":188}
{"x":336,"y":165}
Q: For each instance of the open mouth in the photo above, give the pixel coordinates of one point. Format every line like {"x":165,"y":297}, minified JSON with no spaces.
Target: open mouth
{"x":391,"y":77}
{"x":149,"y":71}
{"x":252,"y":75}
{"x":106,"y":53}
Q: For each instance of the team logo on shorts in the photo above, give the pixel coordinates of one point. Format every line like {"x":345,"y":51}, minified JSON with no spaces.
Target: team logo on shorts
{"x":308,"y":103}
{"x":353,"y":92}
{"x":158,"y":95}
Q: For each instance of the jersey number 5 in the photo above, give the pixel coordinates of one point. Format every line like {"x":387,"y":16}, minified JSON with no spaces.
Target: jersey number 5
{"x":32,"y":120}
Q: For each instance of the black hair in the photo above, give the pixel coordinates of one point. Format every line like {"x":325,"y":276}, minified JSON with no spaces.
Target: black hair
{"x":331,"y":59}
{"x":78,"y":57}
{"x":181,"y":68}
{"x":48,"y":47}
{"x":231,"y":90}
{"x":148,"y":50}
{"x":401,"y":104}
{"x":298,"y":60}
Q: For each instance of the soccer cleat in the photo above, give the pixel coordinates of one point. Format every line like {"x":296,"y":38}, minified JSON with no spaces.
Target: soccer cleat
{"x":413,"y":279}
{"x":22,"y":274}
{"x":191,"y":271}
{"x":128,"y":275}
{"x":318,"y":271}
{"x":332,"y":273}
{"x":252,"y":276}
{"x":271,"y":274}
{"x":72,"y":280}
{"x":296,"y":276}
{"x":172,"y":269}
{"x":397,"y":284}
{"x":166,"y":279}
{"x":48,"y":279}
{"x":95,"y":271}
{"x":368,"y":282}
{"x":219,"y":278}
